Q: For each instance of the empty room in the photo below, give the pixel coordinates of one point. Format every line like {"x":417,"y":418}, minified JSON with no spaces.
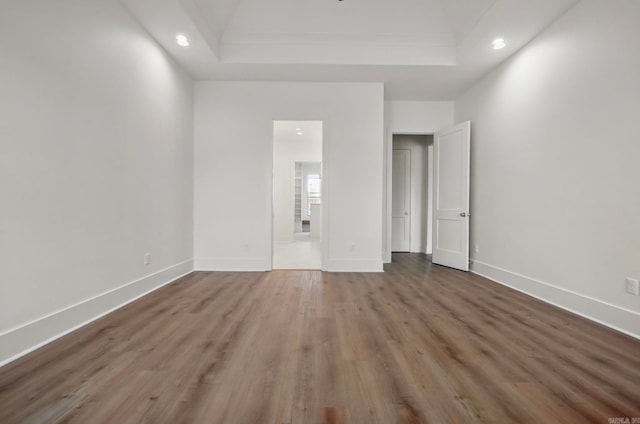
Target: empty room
{"x":319,"y":211}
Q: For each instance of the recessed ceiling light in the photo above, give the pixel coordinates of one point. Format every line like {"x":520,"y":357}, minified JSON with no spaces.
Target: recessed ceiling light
{"x":498,"y":44}
{"x":299,"y":133}
{"x":182,"y":40}
{"x":298,"y":129}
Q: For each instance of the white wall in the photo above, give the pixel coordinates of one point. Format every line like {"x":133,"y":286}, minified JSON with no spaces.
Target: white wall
{"x":555,"y":186}
{"x":233,"y":163}
{"x":419,"y":213}
{"x":96,"y":168}
{"x":418,"y":117}
{"x":286,"y":152}
{"x":408,"y":117}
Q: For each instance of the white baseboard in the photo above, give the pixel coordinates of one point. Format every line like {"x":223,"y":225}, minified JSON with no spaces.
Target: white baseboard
{"x":232,"y":264}
{"x":616,"y":317}
{"x":354,"y":265}
{"x":26,"y":338}
{"x":261,"y":264}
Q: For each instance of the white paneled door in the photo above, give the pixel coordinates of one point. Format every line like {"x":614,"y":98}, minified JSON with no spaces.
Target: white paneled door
{"x":401,"y":200}
{"x":451,"y":197}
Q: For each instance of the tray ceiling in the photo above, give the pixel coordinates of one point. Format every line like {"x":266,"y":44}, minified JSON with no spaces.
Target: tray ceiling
{"x":420,"y":49}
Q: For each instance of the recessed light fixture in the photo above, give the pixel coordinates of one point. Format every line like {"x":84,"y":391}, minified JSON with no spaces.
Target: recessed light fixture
{"x":182,"y":40}
{"x":299,"y":133}
{"x":498,"y":44}
{"x":298,"y":129}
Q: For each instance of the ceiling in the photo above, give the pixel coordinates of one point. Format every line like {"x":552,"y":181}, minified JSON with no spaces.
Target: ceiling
{"x":420,"y":49}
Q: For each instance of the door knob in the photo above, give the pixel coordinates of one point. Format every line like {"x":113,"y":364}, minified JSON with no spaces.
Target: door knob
{"x":462,"y":214}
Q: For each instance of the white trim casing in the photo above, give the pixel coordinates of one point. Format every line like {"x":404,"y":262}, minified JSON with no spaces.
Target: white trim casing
{"x":324,"y":238}
{"x":612,"y":316}
{"x":28,"y":337}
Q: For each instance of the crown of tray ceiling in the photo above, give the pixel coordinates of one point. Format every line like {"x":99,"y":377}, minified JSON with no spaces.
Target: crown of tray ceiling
{"x":443,"y":44}
{"x":366,"y":32}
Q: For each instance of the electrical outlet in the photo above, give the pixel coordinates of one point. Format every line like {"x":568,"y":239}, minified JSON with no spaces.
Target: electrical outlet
{"x":476,"y":248}
{"x":633,"y":286}
{"x":147,"y":259}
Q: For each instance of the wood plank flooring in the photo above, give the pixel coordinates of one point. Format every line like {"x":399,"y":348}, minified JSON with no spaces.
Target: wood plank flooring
{"x":416,"y":344}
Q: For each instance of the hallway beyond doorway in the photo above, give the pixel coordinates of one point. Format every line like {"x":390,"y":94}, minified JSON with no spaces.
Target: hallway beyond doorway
{"x":297,"y":195}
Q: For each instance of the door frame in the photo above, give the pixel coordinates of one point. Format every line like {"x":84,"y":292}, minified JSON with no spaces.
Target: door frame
{"x":388,"y":191}
{"x":324,"y":190}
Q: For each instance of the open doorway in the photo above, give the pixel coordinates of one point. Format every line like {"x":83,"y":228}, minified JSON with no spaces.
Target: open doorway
{"x":411,"y":193}
{"x":297,"y":194}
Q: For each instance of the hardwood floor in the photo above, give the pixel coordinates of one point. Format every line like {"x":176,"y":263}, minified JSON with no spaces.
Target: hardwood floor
{"x":417,"y":344}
